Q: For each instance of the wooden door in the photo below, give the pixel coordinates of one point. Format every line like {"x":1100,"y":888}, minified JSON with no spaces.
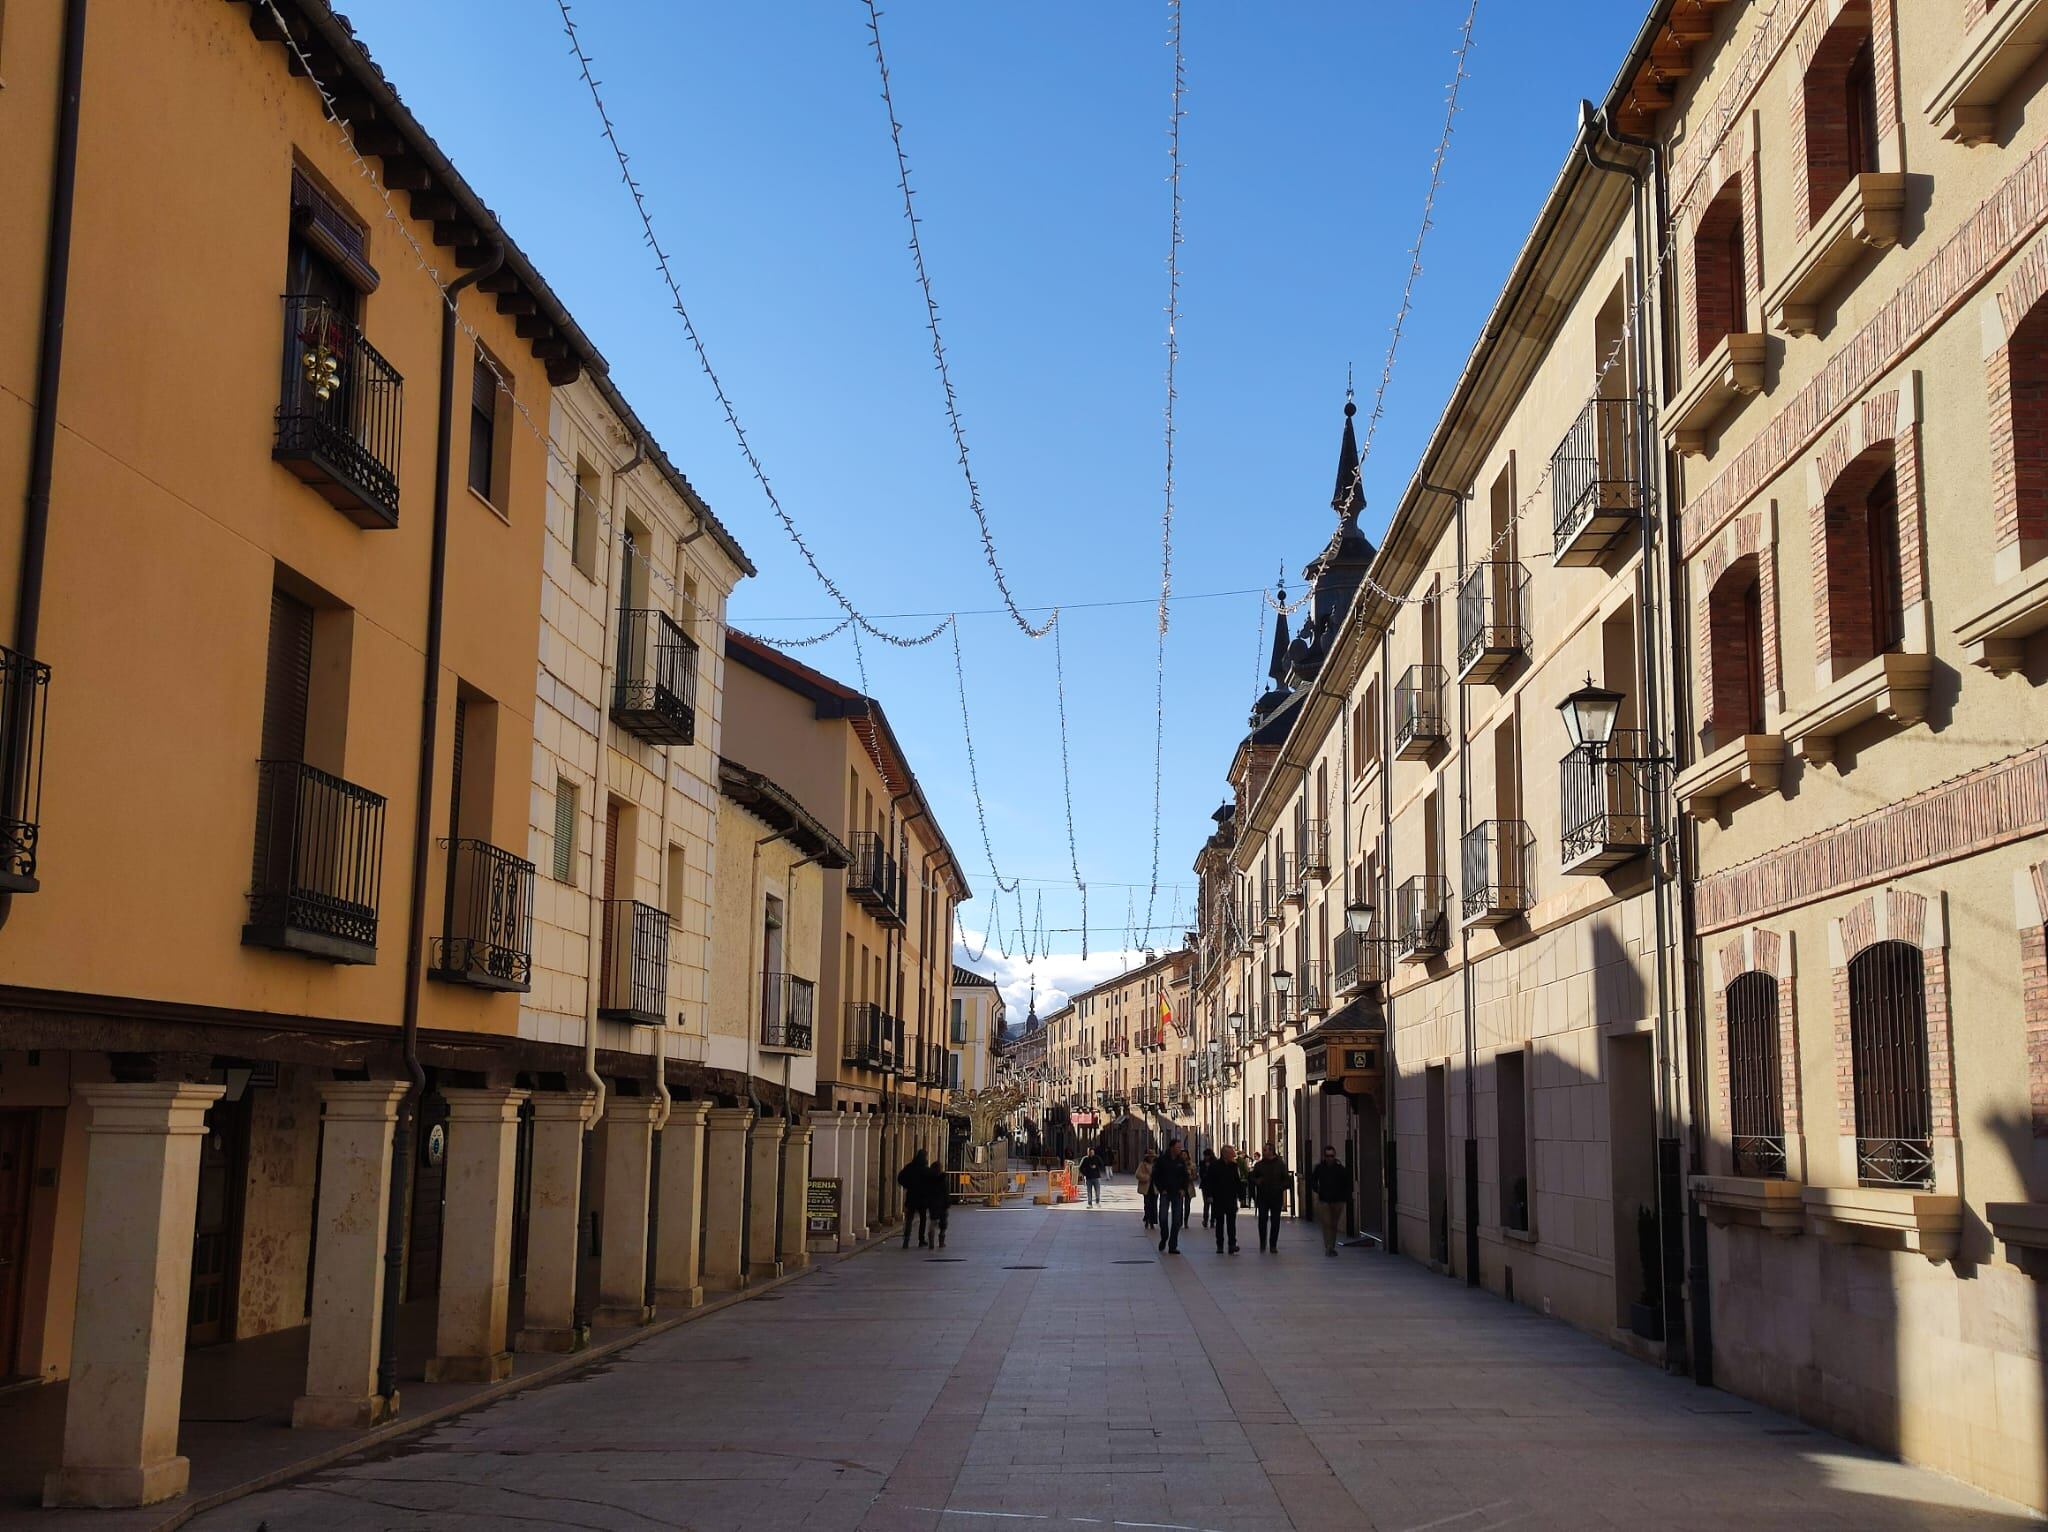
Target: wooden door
{"x":17,"y":1178}
{"x":216,"y":1225}
{"x":429,"y":1195}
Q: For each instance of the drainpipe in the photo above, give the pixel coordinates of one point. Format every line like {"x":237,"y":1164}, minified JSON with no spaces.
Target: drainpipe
{"x":586,"y":1217}
{"x":35,"y":532}
{"x":1676,"y":882}
{"x":422,"y":845}
{"x":1383,"y":892}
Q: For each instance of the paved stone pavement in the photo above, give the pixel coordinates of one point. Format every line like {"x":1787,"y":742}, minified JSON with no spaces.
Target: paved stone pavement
{"x":1051,"y":1367}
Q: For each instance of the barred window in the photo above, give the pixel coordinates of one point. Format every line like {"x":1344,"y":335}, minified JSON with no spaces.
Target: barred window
{"x":1756,"y":1100}
{"x":1888,"y":1055}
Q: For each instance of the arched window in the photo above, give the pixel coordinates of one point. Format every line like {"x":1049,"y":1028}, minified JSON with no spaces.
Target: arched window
{"x":1735,"y":623}
{"x":1888,"y":1056}
{"x":2024,"y":516}
{"x":1756,"y":1101}
{"x":1839,"y":99}
{"x":1865,"y":576}
{"x":1720,"y":290}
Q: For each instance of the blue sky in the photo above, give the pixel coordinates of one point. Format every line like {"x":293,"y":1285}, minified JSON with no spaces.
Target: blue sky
{"x":1037,"y":142}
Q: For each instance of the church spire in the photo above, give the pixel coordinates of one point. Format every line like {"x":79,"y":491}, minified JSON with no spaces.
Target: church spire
{"x":1349,"y":497}
{"x":1277,"y":666}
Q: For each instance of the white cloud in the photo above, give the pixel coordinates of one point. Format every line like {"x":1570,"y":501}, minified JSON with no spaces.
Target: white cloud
{"x":1061,"y":975}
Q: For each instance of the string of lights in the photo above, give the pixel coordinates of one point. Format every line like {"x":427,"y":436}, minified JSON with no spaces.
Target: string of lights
{"x":1067,"y":785}
{"x":1003,"y":885}
{"x":732,"y":419}
{"x":931,"y":319}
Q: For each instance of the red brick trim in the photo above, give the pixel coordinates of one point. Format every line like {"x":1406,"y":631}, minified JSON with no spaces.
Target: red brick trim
{"x":1760,"y":950}
{"x":1844,"y":469}
{"x":1752,"y":534}
{"x":2033,"y":928}
{"x":1965,"y":261}
{"x":1995,"y":804}
{"x":1693,"y":155}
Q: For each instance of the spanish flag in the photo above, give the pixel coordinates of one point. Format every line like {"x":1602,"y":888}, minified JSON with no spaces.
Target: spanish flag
{"x":1165,"y":1014}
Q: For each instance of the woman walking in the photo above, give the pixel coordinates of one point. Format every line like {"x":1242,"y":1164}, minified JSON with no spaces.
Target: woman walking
{"x":1145,"y":1189}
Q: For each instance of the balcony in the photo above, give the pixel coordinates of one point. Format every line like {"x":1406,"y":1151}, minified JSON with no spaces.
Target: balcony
{"x":633,"y":963}
{"x":861,"y":1045}
{"x":1419,"y":712}
{"x":654,"y":695}
{"x":487,"y":940}
{"x":1421,"y":918}
{"x":875,"y":879}
{"x":1603,"y":811}
{"x":1288,"y":877}
{"x":24,"y":708}
{"x":1497,"y":854}
{"x":1313,"y":836}
{"x":789,"y":1010}
{"x":1493,"y":630}
{"x":1362,"y":963}
{"x":1311,"y":989}
{"x":338,"y":412}
{"x":1594,"y":496}
{"x":319,"y":864}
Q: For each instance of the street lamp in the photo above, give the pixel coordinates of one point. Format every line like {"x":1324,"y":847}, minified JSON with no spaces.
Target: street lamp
{"x":1358,"y":918}
{"x":1589,"y":714}
{"x":1283,"y":984}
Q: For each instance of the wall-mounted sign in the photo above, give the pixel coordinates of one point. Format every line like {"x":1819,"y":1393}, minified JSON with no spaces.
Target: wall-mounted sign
{"x":821,"y":1206}
{"x":436,"y":1145}
{"x":1359,"y":1060}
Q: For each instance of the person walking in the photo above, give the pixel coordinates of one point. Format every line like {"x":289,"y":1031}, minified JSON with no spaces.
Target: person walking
{"x":1091,"y":1176}
{"x":1145,"y":1189}
{"x":1170,"y":1179}
{"x":1208,"y":1159}
{"x":1225,"y":1191}
{"x":938,"y":1200}
{"x":1329,"y":1184}
{"x":915,"y":1179}
{"x":1269,"y":1195}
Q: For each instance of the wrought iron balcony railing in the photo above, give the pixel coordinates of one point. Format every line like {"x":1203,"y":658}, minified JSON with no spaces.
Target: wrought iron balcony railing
{"x":1493,"y":621}
{"x":1895,"y":1161}
{"x":319,"y":864}
{"x":1419,"y":712}
{"x":487,"y":939}
{"x":1762,"y":1155}
{"x":1313,"y":856}
{"x":633,"y":963}
{"x":1594,"y":496}
{"x":339,"y":412}
{"x":875,"y":878}
{"x":1361,"y":962}
{"x":1421,"y":917}
{"x":24,"y":707}
{"x":1496,"y":868}
{"x":654,"y":695}
{"x":1602,"y":807}
{"x":862,"y":1043}
{"x":1311,"y":989}
{"x":1287,"y":874}
{"x":788,"y":1012}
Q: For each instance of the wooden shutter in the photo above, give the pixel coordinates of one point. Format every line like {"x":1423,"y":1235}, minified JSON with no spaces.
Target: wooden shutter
{"x":565,"y":830}
{"x":287,"y":678}
{"x":455,"y":775}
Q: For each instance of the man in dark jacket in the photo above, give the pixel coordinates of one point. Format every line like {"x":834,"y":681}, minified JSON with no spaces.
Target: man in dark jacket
{"x":1171,"y":1176}
{"x":915,"y":1179}
{"x":938,"y":1197}
{"x":1225,"y":1191}
{"x":1329,"y":1184}
{"x":1091,"y":1177}
{"x":1269,"y":1195}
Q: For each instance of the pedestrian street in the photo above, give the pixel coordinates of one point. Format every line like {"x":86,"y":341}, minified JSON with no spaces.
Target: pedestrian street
{"x":1051,"y":1367}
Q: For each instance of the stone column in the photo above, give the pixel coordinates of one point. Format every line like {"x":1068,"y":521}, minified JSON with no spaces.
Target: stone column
{"x":356,"y":1124}
{"x":680,"y":1229}
{"x":476,"y":1237}
{"x":725,"y":1183}
{"x":854,"y":1135}
{"x":626,"y":1148}
{"x":764,"y":1185}
{"x":134,"y":1281}
{"x":796,"y":1172}
{"x":553,"y":1208}
{"x":882,"y":1141}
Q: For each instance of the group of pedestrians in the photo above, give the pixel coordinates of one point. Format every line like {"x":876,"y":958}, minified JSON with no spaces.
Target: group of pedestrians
{"x":1227,"y":1182}
{"x":927,"y":1195}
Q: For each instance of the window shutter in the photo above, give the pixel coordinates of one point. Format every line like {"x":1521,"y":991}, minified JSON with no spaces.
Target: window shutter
{"x":483,"y":386}
{"x":455,"y":774}
{"x":287,"y":678}
{"x":565,"y":830}
{"x":324,"y":225}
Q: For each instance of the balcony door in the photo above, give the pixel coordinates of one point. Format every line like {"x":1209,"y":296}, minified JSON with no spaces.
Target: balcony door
{"x":17,"y":1177}
{"x":613,"y":812}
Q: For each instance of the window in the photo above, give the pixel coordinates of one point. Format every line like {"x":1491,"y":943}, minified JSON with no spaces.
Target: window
{"x":1888,"y":1057}
{"x":1756,"y":1103}
{"x":959,"y":1020}
{"x":1735,"y":627}
{"x":583,"y":533}
{"x":483,"y":427}
{"x":1840,"y":111}
{"x":2020,"y":437}
{"x":565,"y":830}
{"x":1511,"y":1106}
{"x":1719,"y":271}
{"x":1865,"y":574}
{"x":676,"y":877}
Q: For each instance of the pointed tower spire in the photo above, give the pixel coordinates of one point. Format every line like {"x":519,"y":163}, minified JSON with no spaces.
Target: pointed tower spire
{"x":1277,"y":667}
{"x":1349,"y":497}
